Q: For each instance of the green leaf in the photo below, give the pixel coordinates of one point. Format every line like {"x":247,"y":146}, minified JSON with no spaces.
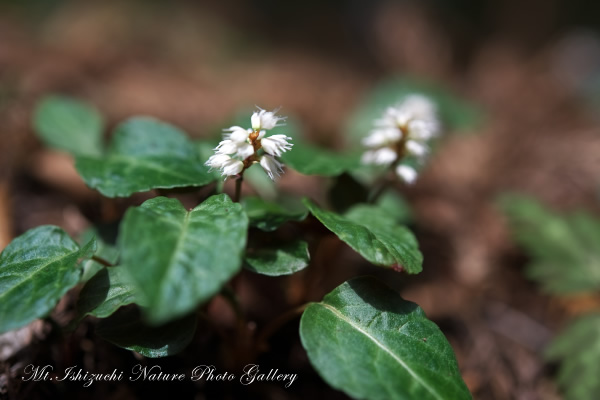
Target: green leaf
{"x":127,"y":329}
{"x":36,"y":270}
{"x":260,"y":182}
{"x":145,"y":154}
{"x":578,"y":350}
{"x":108,"y":290}
{"x":367,"y":341}
{"x":70,"y":125}
{"x":373,"y":215}
{"x":455,"y":113}
{"x":345,"y":192}
{"x":179,"y":258}
{"x":279,"y":260}
{"x":268,"y":216}
{"x":311,"y":160}
{"x":378,"y":238}
{"x":104,"y":250}
{"x":565,"y":249}
{"x":395,"y":205}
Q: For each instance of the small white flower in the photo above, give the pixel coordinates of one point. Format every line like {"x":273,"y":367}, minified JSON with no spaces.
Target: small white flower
{"x":402,"y":130}
{"x":227,"y":165}
{"x":406,"y":173}
{"x":244,"y":150}
{"x":238,"y":149}
{"x":423,"y":130}
{"x":232,"y":167}
{"x":413,"y":109}
{"x":382,"y":137}
{"x":237,"y":134}
{"x":256,"y":122}
{"x":263,"y":119}
{"x":276,"y":144}
{"x":416,"y":149}
{"x":227,"y":147}
{"x":383,"y":156}
{"x":420,"y":107}
{"x":402,"y":118}
{"x":271,"y":166}
{"x":375,"y":139}
{"x":217,"y":161}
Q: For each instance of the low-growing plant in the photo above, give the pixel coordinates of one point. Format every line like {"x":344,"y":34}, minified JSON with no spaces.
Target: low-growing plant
{"x":565,"y":260}
{"x":168,"y":262}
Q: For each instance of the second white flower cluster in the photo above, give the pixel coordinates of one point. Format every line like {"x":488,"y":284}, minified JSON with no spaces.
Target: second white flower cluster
{"x":400,"y":137}
{"x":240,"y":147}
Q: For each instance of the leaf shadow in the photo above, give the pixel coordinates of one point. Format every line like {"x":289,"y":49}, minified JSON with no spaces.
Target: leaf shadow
{"x":94,"y":292}
{"x":381,"y":297}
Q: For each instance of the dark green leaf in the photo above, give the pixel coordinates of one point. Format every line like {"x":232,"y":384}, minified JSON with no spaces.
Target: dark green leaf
{"x":269,"y":216}
{"x":372,"y":215}
{"x":345,"y":192}
{"x":578,"y":350}
{"x":311,"y":160}
{"x":104,"y":250}
{"x":395,"y":205}
{"x":145,"y":154}
{"x":261,"y":183}
{"x":284,"y":259}
{"x":367,"y":341}
{"x":108,"y":290}
{"x":69,"y":125}
{"x":36,"y":270}
{"x":179,"y":258}
{"x":565,"y":249}
{"x":375,"y":236}
{"x":126,"y":329}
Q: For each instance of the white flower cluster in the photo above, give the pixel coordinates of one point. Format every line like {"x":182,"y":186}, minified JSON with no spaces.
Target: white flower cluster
{"x":239,"y":148}
{"x":403,"y":131}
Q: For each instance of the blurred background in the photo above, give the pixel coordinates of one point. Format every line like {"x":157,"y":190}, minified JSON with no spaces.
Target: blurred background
{"x":531,"y":70}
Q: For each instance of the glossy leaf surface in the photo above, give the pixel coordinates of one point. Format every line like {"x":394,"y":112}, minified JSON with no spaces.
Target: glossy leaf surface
{"x":374,"y":235}
{"x":36,"y":270}
{"x":179,"y":258}
{"x":367,"y":341}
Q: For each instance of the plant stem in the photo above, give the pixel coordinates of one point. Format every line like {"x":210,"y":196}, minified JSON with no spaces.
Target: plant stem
{"x":238,"y":189}
{"x":102,"y":261}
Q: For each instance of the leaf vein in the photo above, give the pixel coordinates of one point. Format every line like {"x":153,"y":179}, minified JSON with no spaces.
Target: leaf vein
{"x":381,"y":346}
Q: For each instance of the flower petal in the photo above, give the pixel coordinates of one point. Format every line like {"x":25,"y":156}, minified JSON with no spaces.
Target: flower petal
{"x":244,"y":150}
{"x":383,"y":156}
{"x":237,"y":134}
{"x":276,"y":145}
{"x":271,"y":166}
{"x":265,"y":119}
{"x":232,"y":167}
{"x":217,"y":160}
{"x":227,"y":147}
{"x":417,"y":149}
{"x":406,"y":173}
